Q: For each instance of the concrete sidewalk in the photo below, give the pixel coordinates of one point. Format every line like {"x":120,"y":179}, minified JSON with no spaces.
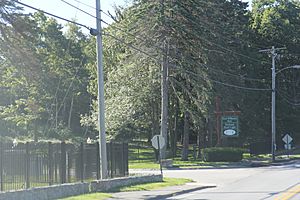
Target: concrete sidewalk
{"x":162,"y":193}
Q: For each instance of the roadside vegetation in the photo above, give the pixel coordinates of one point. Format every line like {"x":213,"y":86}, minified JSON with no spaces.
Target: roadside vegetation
{"x":144,"y":158}
{"x":49,"y":73}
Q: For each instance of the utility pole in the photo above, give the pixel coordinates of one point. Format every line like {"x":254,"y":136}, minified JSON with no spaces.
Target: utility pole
{"x":218,"y":120}
{"x":164,"y":88}
{"x":164,"y":102}
{"x":101,"y":106}
{"x":274,"y":55}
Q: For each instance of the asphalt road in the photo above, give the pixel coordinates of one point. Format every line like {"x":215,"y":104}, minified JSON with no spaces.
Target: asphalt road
{"x":263,"y":183}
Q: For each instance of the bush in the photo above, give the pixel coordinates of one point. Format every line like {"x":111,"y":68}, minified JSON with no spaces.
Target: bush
{"x":222,"y":154}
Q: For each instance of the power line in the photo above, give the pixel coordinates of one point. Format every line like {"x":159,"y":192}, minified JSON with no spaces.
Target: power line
{"x":130,"y":34}
{"x":92,"y":7}
{"x":131,"y":46}
{"x":117,"y":28}
{"x":220,"y":46}
{"x":221,"y":30}
{"x":238,"y":76}
{"x":235,"y":75}
{"x":85,"y":4}
{"x":227,"y":84}
{"x":209,"y":68}
{"x":227,"y":73}
{"x":53,"y":15}
{"x":287,"y":100}
{"x":85,"y":12}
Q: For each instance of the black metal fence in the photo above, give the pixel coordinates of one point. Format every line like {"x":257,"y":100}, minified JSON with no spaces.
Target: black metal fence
{"x":40,"y":164}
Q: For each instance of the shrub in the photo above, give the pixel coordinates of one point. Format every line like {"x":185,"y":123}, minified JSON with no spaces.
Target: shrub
{"x":222,"y":154}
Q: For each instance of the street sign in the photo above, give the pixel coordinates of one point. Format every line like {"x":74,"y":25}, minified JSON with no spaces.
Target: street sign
{"x":230,"y":126}
{"x":158,"y":139}
{"x":287,"y":139}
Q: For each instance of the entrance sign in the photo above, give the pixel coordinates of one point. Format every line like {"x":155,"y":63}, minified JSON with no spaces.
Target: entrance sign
{"x":230,"y":126}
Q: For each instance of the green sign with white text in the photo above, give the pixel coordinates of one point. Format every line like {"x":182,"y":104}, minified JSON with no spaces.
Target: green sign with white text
{"x":230,"y":126}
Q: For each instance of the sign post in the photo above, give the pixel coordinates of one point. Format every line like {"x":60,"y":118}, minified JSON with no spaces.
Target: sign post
{"x":158,"y":142}
{"x":159,"y":156}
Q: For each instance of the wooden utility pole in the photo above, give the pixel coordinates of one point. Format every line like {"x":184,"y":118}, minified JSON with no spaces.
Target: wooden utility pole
{"x":274,"y":54}
{"x":164,"y":88}
{"x":218,"y":117}
{"x":101,"y":107}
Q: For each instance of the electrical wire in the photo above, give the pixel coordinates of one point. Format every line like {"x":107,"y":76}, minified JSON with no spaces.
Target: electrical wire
{"x":287,"y":99}
{"x":224,"y":48}
{"x":227,"y":73}
{"x":85,"y":12}
{"x":221,"y":29}
{"x":131,"y":46}
{"x":130,"y":34}
{"x":209,"y":68}
{"x":226,"y":84}
{"x":135,"y":48}
{"x":126,"y":32}
{"x":53,"y":15}
{"x":235,"y":75}
{"x":92,"y":7}
{"x":244,"y":78}
{"x":135,"y":36}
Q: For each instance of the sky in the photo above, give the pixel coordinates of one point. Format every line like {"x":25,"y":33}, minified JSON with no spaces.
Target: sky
{"x":62,"y":9}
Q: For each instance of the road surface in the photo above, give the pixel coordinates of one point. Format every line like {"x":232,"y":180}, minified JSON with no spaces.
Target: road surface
{"x":264,"y":183}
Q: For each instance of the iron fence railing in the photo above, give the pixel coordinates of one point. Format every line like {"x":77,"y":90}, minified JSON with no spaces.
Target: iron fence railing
{"x":29,"y":165}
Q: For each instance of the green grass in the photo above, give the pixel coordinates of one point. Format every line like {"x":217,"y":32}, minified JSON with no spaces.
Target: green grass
{"x":139,"y":187}
{"x":144,"y":158}
{"x":151,"y":186}
{"x":143,"y":164}
{"x":94,"y":196}
{"x":141,"y":153}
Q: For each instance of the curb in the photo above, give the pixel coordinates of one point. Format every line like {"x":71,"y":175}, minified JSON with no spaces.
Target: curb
{"x":159,"y":197}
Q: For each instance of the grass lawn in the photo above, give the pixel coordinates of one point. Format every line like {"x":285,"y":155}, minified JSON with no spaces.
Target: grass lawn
{"x":151,"y":186}
{"x":94,"y":196}
{"x":144,"y":158}
{"x":144,"y":164}
{"x":140,"y":187}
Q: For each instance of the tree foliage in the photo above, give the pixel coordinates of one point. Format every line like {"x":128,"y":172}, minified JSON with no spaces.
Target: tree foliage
{"x":211,"y":48}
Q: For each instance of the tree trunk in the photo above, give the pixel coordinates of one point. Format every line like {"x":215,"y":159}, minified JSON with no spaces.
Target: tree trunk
{"x":70,"y":113}
{"x":186,"y":130}
{"x":56,"y":113}
{"x":199,"y":142}
{"x":174,"y":129}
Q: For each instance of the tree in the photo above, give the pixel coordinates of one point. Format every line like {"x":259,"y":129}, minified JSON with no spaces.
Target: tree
{"x":276,"y":23}
{"x":50,"y":79}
